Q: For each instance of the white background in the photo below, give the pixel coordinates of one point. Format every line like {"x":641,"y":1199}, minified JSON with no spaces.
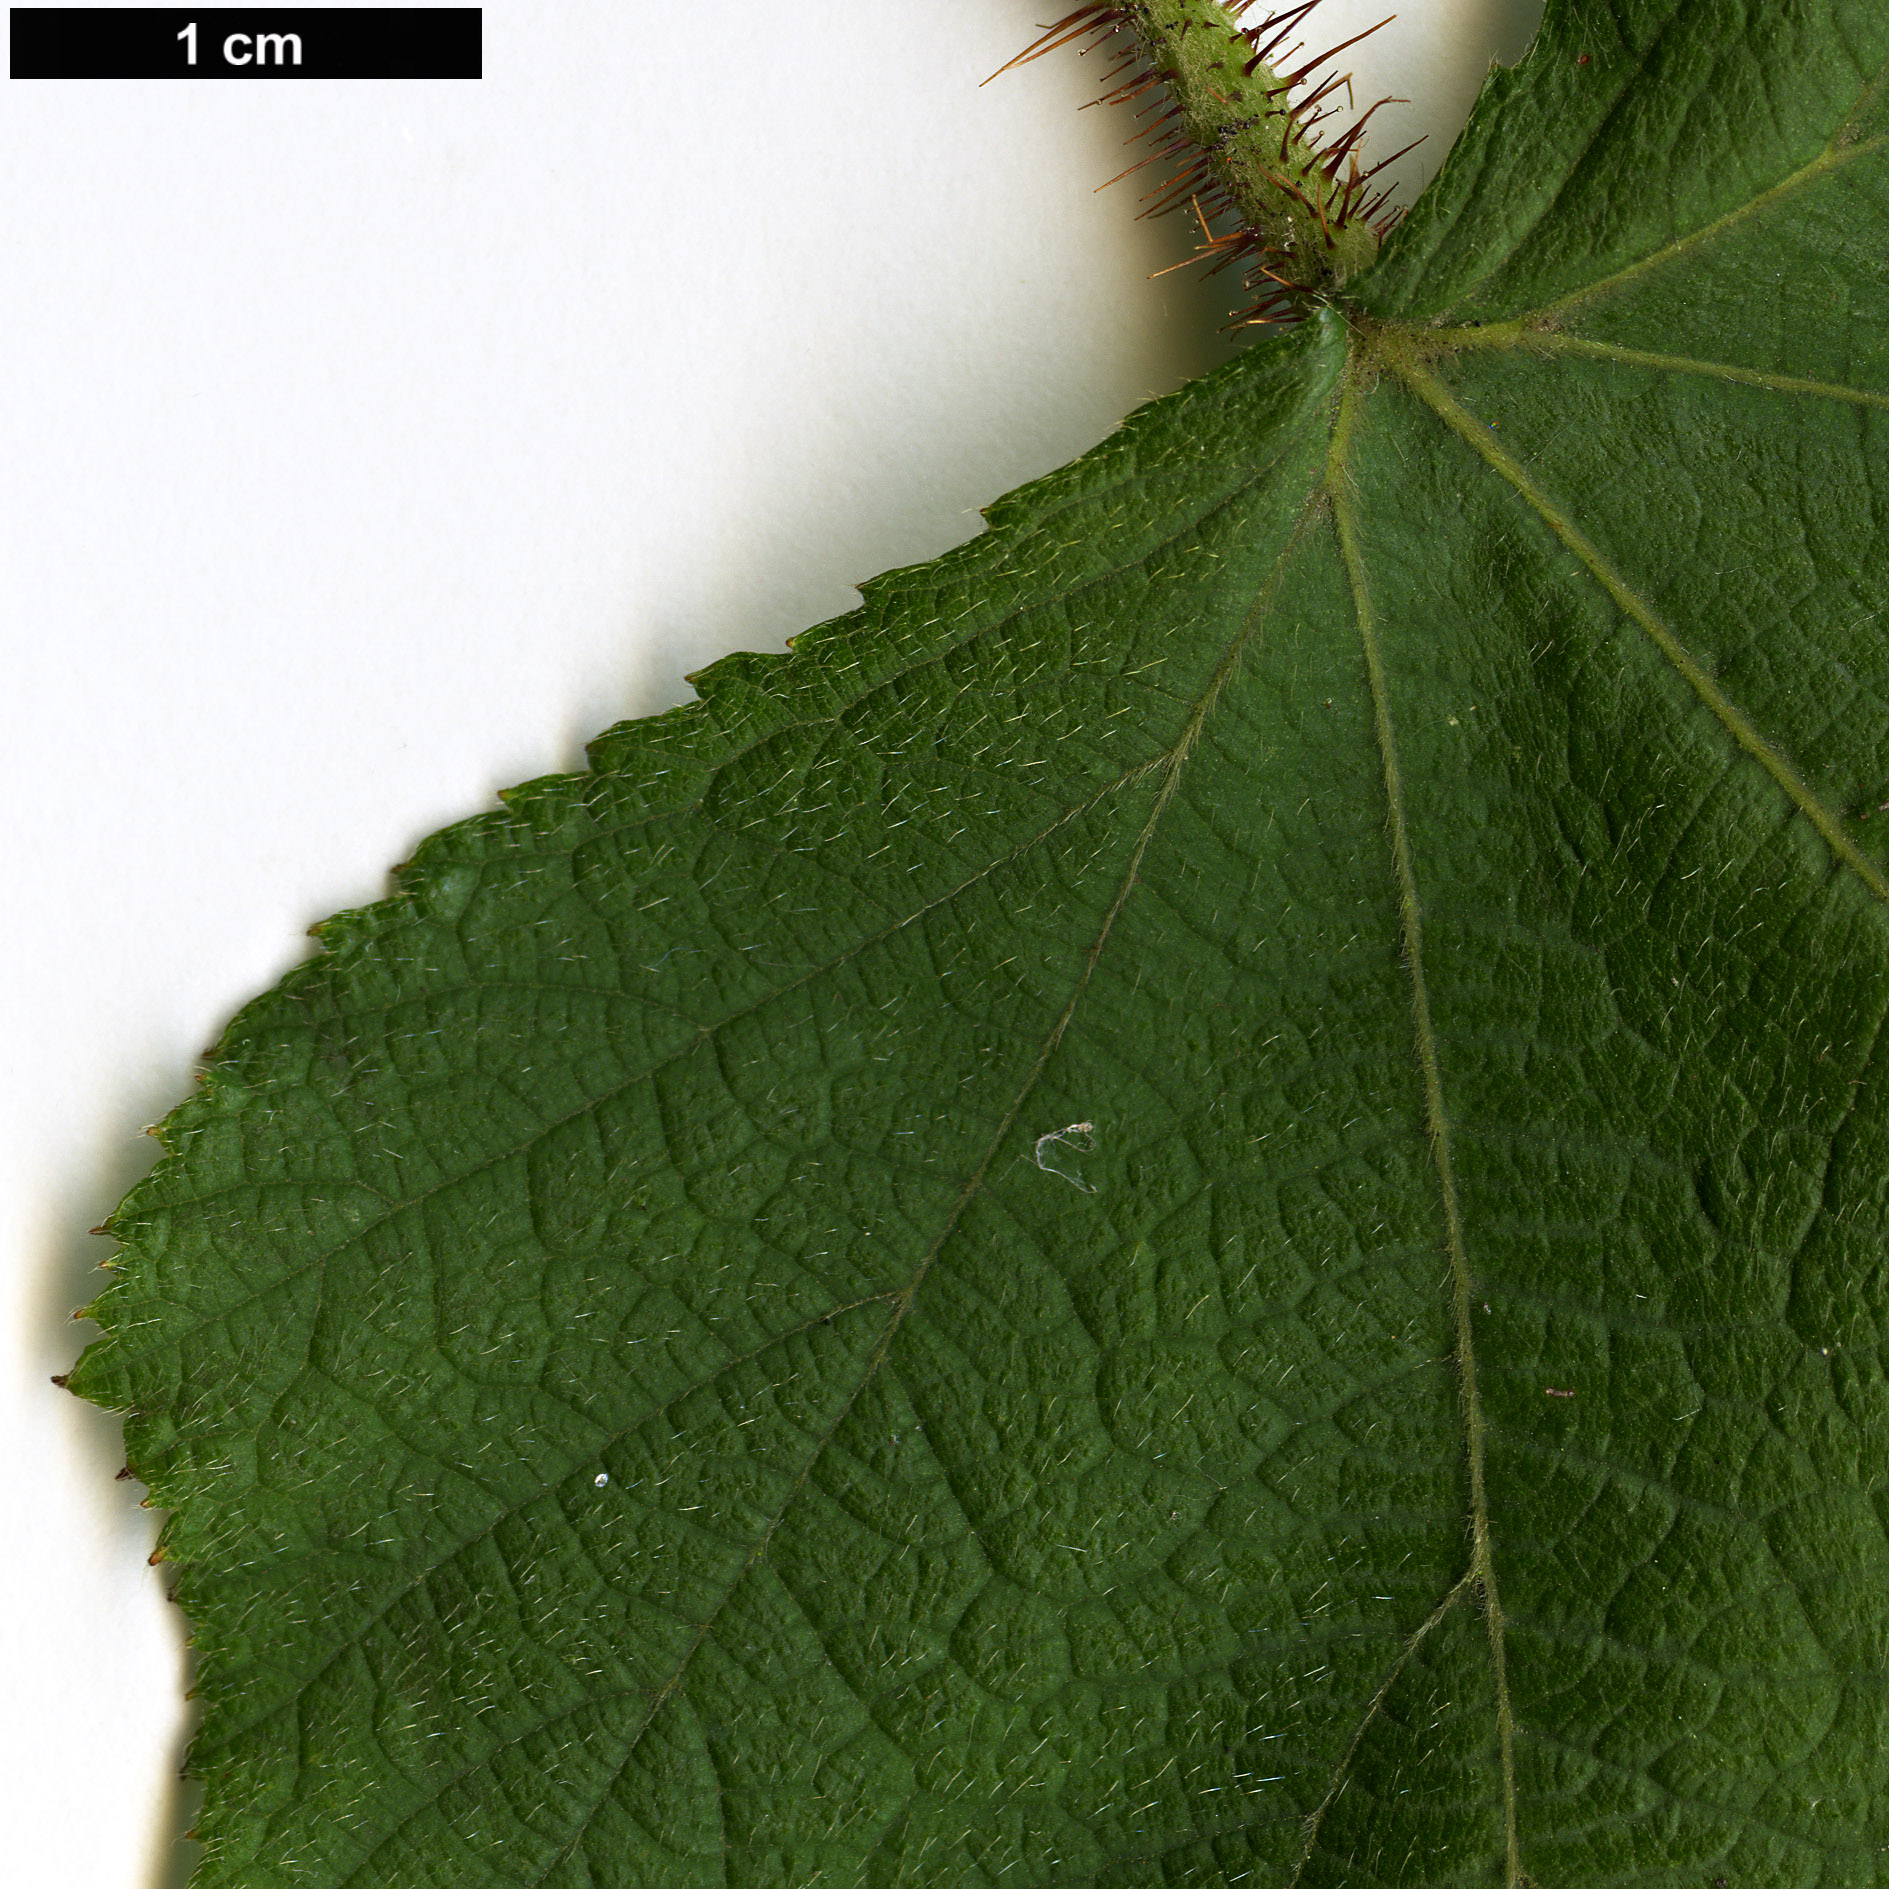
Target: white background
{"x":365,"y":448}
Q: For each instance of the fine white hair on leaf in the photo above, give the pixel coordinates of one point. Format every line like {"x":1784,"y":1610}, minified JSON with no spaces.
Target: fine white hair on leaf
{"x":1079,"y":1136}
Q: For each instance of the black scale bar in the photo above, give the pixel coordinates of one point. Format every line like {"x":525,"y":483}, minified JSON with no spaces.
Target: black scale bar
{"x":245,"y":43}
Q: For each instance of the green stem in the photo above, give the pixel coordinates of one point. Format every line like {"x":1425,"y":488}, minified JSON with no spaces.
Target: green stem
{"x":1234,"y":108}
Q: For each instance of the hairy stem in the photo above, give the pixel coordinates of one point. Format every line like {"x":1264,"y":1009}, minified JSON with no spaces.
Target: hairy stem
{"x":1255,"y":143}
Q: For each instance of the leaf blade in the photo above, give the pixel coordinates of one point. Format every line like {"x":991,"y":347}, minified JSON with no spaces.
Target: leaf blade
{"x":1624,"y":136}
{"x":1085,"y":1235}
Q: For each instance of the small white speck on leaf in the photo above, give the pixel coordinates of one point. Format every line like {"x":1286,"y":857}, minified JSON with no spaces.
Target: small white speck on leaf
{"x":601,"y":1480}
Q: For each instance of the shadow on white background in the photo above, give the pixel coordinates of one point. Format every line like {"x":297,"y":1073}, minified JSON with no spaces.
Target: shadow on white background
{"x":370,"y":446}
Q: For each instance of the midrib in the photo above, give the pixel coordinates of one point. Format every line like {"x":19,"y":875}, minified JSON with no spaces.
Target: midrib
{"x":1481,"y":1572}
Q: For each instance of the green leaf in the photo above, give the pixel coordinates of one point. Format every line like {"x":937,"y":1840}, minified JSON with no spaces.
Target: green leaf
{"x":1201,"y":1201}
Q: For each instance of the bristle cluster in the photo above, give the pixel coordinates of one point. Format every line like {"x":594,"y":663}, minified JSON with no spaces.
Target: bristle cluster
{"x":1239,"y":126}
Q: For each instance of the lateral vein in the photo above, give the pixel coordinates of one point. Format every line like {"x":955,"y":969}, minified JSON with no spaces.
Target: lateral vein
{"x":1736,"y":723}
{"x":1827,"y":162}
{"x":1172,"y":763}
{"x":1517,"y":336}
{"x":1480,"y":1574}
{"x":1342,"y":1769}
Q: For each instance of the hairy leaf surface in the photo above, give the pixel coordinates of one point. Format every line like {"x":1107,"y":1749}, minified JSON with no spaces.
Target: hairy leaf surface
{"x":1200,"y":1201}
